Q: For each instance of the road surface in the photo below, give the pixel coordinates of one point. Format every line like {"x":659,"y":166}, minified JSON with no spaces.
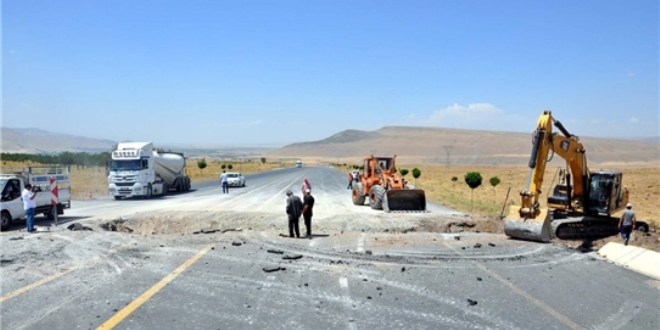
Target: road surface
{"x":345,"y":277}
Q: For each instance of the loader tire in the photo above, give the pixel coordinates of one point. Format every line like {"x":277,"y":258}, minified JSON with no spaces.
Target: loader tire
{"x":358,"y":196}
{"x":376,"y":197}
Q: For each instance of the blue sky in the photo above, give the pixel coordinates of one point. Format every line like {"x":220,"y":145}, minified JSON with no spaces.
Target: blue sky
{"x":243,"y":72}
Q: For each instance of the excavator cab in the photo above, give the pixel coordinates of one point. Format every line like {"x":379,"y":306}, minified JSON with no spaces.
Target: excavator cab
{"x":605,"y":194}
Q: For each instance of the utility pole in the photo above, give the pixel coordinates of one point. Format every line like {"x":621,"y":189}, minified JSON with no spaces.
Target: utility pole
{"x":448,"y":151}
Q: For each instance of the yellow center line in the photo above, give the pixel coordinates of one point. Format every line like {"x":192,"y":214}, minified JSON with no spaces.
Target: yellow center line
{"x":563,"y":319}
{"x":282,"y":191}
{"x":57,"y":275}
{"x":135,"y":304}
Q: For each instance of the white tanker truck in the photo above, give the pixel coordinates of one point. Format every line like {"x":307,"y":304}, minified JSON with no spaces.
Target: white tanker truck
{"x":140,"y":170}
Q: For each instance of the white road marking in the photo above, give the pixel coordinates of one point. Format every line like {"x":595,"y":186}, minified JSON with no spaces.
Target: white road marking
{"x":343,"y":282}
{"x":348,"y":304}
{"x":360,"y":246}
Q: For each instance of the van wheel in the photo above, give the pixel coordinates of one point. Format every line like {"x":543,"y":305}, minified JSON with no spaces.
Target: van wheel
{"x":150,"y":192}
{"x":5,"y":220}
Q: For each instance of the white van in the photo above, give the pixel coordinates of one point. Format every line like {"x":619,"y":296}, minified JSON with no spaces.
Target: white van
{"x":299,"y":164}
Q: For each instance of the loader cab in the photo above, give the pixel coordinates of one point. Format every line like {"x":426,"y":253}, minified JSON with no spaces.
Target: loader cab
{"x":604,"y":194}
{"x":385,"y":163}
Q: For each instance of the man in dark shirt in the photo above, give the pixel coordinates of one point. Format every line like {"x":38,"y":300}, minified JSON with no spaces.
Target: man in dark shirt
{"x":293,"y":210}
{"x":308,"y":204}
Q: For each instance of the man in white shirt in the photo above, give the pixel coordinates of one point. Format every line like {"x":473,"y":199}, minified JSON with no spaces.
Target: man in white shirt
{"x":225,"y":183}
{"x":29,"y":204}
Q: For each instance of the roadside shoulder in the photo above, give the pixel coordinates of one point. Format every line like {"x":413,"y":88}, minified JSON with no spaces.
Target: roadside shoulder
{"x":638,"y":259}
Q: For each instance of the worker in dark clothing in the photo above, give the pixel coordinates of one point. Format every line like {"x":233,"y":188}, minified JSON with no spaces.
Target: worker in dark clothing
{"x":308,"y":205}
{"x":294,"y":208}
{"x":627,"y":222}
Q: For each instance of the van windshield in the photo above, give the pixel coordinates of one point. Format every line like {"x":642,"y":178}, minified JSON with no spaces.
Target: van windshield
{"x":125,"y":165}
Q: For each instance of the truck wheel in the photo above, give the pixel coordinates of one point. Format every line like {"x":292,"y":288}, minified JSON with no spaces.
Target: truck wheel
{"x":166,"y":189}
{"x":376,"y":195}
{"x":188,"y":186}
{"x":5,"y":220}
{"x":358,"y":196}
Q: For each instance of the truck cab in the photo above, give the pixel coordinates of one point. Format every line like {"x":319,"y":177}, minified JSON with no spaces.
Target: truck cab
{"x":299,"y":164}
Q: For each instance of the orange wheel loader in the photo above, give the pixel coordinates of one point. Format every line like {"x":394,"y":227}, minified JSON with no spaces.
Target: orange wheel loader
{"x":386,"y":189}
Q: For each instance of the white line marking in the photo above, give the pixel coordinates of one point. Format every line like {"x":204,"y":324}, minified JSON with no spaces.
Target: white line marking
{"x":360,"y":246}
{"x":343,"y":282}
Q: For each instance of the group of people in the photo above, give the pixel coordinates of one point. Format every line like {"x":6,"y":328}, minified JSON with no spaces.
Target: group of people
{"x":295,"y":208}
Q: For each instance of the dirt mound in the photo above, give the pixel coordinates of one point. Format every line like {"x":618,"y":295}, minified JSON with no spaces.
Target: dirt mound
{"x":650,"y":241}
{"x":201,"y":222}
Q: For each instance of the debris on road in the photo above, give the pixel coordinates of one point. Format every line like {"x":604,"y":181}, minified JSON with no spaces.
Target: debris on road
{"x":236,"y":243}
{"x":403,"y":269}
{"x":273,"y":269}
{"x":472,"y":302}
{"x":16,"y":238}
{"x":368,"y":252}
{"x":206,"y":231}
{"x":78,"y":226}
{"x":458,"y":238}
{"x":478,"y":278}
{"x":478,"y":245}
{"x":275,"y":251}
{"x":6,"y":261}
{"x":117,"y":225}
{"x":292,"y":257}
{"x":491,"y":244}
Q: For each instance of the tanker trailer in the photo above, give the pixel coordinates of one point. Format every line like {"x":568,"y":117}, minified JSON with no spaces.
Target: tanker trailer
{"x":171,"y":168}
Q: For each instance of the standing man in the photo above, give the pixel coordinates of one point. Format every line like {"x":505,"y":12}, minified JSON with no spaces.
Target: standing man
{"x":627,"y":222}
{"x":225,"y":182}
{"x":293,"y":210}
{"x":29,"y":204}
{"x":308,"y":204}
{"x":350,"y":180}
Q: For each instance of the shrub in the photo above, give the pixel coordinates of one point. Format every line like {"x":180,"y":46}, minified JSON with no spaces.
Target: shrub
{"x":416,"y":173}
{"x":263,"y":160}
{"x":494,"y":181}
{"x":230,"y":166}
{"x":473,"y":180}
{"x":201,"y":164}
{"x":223,"y":166}
{"x":404,"y":172}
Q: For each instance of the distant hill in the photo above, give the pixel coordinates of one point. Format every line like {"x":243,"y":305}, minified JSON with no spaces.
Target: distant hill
{"x":460,"y":146}
{"x":35,"y":141}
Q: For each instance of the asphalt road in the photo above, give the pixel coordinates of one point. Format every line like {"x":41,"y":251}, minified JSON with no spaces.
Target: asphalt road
{"x":343,"y":280}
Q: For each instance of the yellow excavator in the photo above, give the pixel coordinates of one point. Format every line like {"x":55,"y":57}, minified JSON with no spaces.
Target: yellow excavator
{"x":583,"y":202}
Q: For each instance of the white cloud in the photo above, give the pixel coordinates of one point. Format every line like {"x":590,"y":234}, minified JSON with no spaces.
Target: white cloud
{"x":474,"y":111}
{"x":633,"y":120}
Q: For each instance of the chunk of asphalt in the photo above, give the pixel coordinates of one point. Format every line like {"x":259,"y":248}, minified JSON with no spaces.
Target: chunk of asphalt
{"x":271,"y":269}
{"x":368,"y":252}
{"x":491,"y":244}
{"x":275,"y":251}
{"x":403,"y":269}
{"x":478,"y":278}
{"x":458,"y":238}
{"x":472,"y":302}
{"x":236,"y":243}
{"x":6,"y":261}
{"x":478,"y":245}
{"x":292,"y":257}
{"x":16,"y":238}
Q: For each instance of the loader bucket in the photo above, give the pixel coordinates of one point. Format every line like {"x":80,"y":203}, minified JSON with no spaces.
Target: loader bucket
{"x":531,"y":229}
{"x":405,"y":200}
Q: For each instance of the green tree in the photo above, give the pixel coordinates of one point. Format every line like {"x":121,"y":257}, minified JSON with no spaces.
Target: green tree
{"x":404,"y":172}
{"x":230,"y":166}
{"x":201,"y":164}
{"x":453,"y":180}
{"x":223,"y":166}
{"x":494,"y":181}
{"x":355,"y":167}
{"x":263,"y":160}
{"x":473,"y":180}
{"x":416,"y":173}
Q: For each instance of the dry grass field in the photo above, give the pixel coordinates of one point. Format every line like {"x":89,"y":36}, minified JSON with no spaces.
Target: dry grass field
{"x":642,"y":182}
{"x":94,"y":179}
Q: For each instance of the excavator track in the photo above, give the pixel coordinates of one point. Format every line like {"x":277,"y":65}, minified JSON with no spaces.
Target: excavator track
{"x":584,"y":227}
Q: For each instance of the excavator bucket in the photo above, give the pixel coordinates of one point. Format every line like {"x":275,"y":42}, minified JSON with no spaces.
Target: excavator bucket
{"x":411,"y":200}
{"x":532,"y":229}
